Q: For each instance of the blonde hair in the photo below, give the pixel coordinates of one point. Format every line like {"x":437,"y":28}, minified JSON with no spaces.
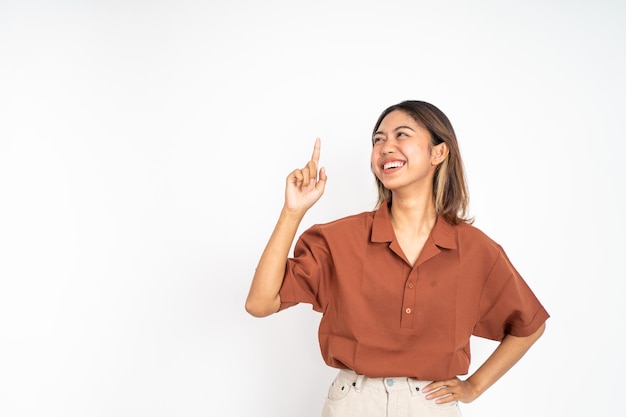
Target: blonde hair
{"x":449,"y":186}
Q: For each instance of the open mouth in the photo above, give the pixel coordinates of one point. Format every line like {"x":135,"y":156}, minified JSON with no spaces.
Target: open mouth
{"x":393,"y":165}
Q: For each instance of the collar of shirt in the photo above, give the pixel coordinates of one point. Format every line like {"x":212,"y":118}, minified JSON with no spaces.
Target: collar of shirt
{"x":443,"y":234}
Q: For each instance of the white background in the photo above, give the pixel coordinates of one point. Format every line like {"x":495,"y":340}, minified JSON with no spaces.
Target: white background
{"x":143,"y":151}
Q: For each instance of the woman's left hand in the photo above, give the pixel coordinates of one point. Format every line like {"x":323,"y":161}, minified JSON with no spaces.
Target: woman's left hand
{"x":451,"y":390}
{"x":508,"y":352}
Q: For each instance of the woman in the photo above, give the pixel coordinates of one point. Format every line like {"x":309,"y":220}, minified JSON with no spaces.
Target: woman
{"x":404,"y":287}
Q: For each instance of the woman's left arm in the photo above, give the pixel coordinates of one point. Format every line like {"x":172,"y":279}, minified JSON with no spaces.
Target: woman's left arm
{"x":510,"y":350}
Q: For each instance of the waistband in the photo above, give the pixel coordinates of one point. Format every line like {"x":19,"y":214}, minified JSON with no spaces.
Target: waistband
{"x":387,"y":384}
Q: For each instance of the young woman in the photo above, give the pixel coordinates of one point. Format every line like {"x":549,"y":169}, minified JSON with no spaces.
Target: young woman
{"x":402,"y":288}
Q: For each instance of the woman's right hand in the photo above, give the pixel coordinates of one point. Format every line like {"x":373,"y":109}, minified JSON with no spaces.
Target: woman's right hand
{"x":304,"y":186}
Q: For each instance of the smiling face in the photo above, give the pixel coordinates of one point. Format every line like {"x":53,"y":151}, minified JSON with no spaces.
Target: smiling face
{"x":403,"y":156}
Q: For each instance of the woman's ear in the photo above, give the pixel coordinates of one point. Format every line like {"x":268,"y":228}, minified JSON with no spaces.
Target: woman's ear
{"x":439,"y":153}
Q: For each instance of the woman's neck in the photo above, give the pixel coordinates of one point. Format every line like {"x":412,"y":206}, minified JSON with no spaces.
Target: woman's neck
{"x":413,"y":214}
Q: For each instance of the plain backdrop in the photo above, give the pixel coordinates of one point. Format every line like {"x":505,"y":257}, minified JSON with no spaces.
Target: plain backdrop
{"x":144,"y":147}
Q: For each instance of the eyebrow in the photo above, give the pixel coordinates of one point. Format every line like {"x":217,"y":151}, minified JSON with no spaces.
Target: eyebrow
{"x":395,"y":130}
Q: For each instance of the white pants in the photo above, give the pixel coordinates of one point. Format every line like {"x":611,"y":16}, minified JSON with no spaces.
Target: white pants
{"x":352,"y":395}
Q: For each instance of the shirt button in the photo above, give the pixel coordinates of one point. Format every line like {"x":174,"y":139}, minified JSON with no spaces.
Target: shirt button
{"x":408,"y":311}
{"x":410,"y":285}
{"x":390,"y":382}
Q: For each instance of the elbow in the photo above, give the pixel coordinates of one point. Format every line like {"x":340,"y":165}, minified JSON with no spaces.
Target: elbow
{"x":259,"y":310}
{"x":254,"y":311}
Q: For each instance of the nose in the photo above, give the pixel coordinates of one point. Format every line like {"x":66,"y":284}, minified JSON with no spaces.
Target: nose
{"x":387,"y":148}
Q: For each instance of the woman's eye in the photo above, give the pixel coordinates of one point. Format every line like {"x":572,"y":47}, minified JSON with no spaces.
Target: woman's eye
{"x":376,"y":140}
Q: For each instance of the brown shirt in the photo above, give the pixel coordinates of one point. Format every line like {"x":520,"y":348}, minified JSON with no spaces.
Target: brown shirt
{"x":382,"y":317}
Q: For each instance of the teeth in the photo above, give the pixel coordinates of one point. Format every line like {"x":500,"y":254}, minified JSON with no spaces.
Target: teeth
{"x":394,"y":164}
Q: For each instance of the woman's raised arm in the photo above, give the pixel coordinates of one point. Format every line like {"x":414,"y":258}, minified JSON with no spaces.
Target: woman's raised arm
{"x":304,"y":187}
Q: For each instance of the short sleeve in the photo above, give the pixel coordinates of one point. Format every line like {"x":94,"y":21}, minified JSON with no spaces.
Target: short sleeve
{"x":307,"y":271}
{"x":507,"y":304}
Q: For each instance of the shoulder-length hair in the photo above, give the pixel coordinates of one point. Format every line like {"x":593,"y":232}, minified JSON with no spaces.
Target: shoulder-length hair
{"x":449,"y":186}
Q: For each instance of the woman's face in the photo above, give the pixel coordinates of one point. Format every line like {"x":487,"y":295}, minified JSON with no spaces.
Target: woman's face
{"x":402,"y":153}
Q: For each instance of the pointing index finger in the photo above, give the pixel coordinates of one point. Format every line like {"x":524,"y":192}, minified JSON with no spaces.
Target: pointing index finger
{"x":316,"y":151}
